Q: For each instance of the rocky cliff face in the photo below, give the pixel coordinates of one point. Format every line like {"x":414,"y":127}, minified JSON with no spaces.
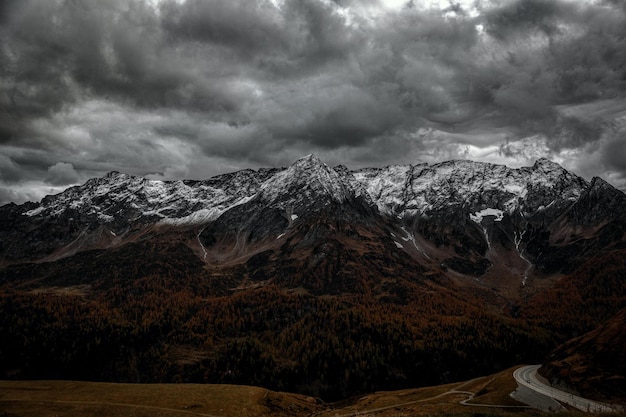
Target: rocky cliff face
{"x":459,"y":215}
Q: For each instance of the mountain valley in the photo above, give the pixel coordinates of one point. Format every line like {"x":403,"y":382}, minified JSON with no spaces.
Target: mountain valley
{"x":312,"y":279}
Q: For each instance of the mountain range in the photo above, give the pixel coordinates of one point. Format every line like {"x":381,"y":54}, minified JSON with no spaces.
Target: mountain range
{"x":310,"y":278}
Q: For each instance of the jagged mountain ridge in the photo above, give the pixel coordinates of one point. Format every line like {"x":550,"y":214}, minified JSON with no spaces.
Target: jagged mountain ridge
{"x":474,"y":209}
{"x":398,"y":190}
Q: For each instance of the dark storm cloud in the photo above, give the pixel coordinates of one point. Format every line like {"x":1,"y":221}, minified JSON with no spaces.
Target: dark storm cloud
{"x":32,"y":77}
{"x":200,"y":86}
{"x":523,"y":16}
{"x":62,"y":173}
{"x":332,"y":116}
{"x":292,"y":41}
{"x":324,"y":34}
{"x":615,"y":153}
{"x":10,"y":171}
{"x":552,"y":53}
{"x":60,"y":50}
{"x":251,"y":26}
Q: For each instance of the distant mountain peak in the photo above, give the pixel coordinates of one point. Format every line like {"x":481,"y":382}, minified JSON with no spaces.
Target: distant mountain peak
{"x":597,"y":182}
{"x":305,"y":180}
{"x":546,"y":164}
{"x":310,"y":157}
{"x":113,"y":176}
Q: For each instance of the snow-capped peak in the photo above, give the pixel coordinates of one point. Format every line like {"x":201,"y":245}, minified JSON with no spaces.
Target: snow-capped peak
{"x":125,"y":199}
{"x":546,"y":164}
{"x":307,"y":180}
{"x":420,"y":189}
{"x":397,"y":190}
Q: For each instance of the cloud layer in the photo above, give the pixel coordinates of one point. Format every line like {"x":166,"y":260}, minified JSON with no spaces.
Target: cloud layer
{"x":173,"y":89}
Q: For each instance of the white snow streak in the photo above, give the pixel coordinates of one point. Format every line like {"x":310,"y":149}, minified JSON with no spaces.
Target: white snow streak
{"x":34,"y":212}
{"x":518,"y":241}
{"x":480,"y":215}
{"x":201,"y":245}
{"x":411,"y":237}
{"x":486,"y":237}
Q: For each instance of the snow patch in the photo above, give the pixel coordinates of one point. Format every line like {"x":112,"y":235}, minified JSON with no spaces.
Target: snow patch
{"x":518,"y":241}
{"x":204,"y":252}
{"x":105,"y":217}
{"x":479,"y":215}
{"x":294,"y":217}
{"x":243,"y":200}
{"x":34,"y":212}
{"x":486,"y":237}
{"x":197,"y":217}
{"x":399,"y":245}
{"x":517,"y":189}
{"x":411,"y":237}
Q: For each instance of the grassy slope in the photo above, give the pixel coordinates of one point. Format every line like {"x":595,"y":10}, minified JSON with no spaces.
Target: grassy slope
{"x":84,"y":399}
{"x":71,"y":398}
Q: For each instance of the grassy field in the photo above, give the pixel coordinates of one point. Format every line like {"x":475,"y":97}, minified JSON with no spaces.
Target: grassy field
{"x":73,"y":399}
{"x":484,"y":397}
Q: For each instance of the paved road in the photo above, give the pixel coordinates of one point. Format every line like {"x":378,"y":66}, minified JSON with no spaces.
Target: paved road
{"x":527,"y":377}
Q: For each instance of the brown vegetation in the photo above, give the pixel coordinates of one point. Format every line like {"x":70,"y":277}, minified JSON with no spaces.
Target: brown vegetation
{"x":84,"y":399}
{"x":594,"y":364}
{"x":152,"y":311}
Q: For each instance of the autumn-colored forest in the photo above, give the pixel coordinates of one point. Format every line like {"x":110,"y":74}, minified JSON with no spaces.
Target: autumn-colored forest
{"x":174,"y":321}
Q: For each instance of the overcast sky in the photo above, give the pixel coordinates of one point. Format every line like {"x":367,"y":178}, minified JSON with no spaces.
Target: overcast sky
{"x":189,"y":89}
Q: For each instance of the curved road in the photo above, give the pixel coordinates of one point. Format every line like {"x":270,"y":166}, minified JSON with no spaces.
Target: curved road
{"x":526,"y":376}
{"x":455,"y":390}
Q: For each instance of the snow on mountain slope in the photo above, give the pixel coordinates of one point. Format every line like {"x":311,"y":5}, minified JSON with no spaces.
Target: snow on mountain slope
{"x":308,"y":181}
{"x":131,"y":198}
{"x":385,"y":186}
{"x":460,"y":214}
{"x":475,"y":186}
{"x":399,"y":190}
